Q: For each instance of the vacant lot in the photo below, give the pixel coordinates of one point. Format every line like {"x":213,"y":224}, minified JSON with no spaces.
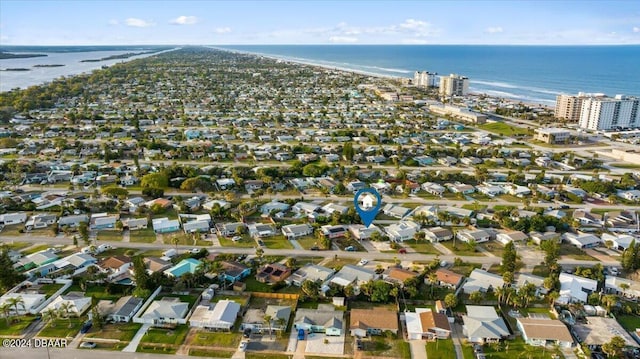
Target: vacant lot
{"x":109,"y":235}
{"x":213,"y":339}
{"x":503,"y":129}
{"x":441,"y":349}
{"x":143,"y":236}
{"x":122,"y":332}
{"x":166,"y":336}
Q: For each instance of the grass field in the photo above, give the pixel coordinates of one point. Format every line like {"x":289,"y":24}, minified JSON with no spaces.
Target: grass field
{"x":35,"y":249}
{"x":16,"y":246}
{"x":422,"y":247}
{"x":109,"y":235}
{"x":251,"y":355}
{"x":383,"y":347}
{"x":96,"y":291}
{"x":243,"y":243}
{"x":278,"y":242}
{"x":211,"y":353}
{"x":465,"y":268}
{"x":441,"y":349}
{"x":503,"y":129}
{"x":15,"y":326}
{"x":60,"y":328}
{"x":460,"y":249}
{"x":123,"y":331}
{"x":166,"y":336}
{"x":519,"y":348}
{"x":629,"y":322}
{"x":339,"y":262}
{"x":574,"y":252}
{"x":541,"y":270}
{"x":308,"y":241}
{"x":225,"y":340}
{"x":50,"y":289}
{"x":143,"y":236}
{"x":156,"y":349}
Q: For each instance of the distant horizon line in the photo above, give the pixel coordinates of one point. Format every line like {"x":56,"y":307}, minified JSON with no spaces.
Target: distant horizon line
{"x":343,"y":44}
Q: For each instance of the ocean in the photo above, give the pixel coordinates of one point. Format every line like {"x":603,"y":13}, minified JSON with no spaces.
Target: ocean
{"x":534,"y":74}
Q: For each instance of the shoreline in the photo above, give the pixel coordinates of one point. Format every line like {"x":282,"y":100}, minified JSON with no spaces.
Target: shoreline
{"x":473,"y":94}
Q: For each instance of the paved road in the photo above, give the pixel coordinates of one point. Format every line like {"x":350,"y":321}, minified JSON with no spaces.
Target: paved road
{"x":483,"y":260}
{"x":68,"y":353}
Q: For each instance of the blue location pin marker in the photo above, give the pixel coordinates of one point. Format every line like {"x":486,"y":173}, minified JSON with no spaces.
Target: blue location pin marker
{"x":367,"y":210}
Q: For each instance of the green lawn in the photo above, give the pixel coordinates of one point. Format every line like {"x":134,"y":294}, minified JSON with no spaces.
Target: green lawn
{"x":517,"y":347}
{"x":510,"y":198}
{"x":191,"y":299}
{"x":60,"y":328}
{"x":254,"y":286}
{"x":183,"y":239}
{"x":150,"y":348}
{"x":15,"y":326}
{"x":503,"y":129}
{"x":278,"y":242}
{"x":109,"y":235}
{"x":343,"y":243}
{"x":243,"y":243}
{"x":629,"y":322}
{"x":211,"y":353}
{"x":574,"y":252}
{"x":625,"y":165}
{"x":50,"y":289}
{"x":474,"y":207}
{"x":441,"y":349}
{"x":461,"y":249}
{"x":251,"y":355}
{"x":97,"y":291}
{"x":214,"y":339}
{"x":381,"y":346}
{"x":339,"y":262}
{"x":34,"y":249}
{"x":308,"y":241}
{"x":166,"y":336}
{"x":122,"y":331}
{"x":493,"y":247}
{"x":143,"y":236}
{"x":16,"y":246}
{"x":541,"y":270}
{"x":467,"y":351}
{"x":465,"y":268}
{"x":423,"y":247}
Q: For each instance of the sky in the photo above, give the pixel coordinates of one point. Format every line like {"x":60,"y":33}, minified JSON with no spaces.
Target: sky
{"x":131,"y":22}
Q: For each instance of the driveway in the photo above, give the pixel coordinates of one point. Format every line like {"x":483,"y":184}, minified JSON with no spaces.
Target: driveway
{"x":418,"y":349}
{"x":316,"y":344}
{"x":133,"y":345}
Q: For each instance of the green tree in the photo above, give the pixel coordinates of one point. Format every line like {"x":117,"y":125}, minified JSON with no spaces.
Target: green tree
{"x":450,"y":300}
{"x":140,"y":275}
{"x":155,"y":180}
{"x":310,"y":288}
{"x":9,"y":276}
{"x":614,"y":347}
{"x":476,"y":296}
{"x":509,"y":258}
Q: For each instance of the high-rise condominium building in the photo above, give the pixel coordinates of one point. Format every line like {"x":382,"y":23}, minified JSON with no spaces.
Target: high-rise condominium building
{"x":454,"y":85}
{"x":606,"y":113}
{"x":568,"y":107}
{"x":425,"y":79}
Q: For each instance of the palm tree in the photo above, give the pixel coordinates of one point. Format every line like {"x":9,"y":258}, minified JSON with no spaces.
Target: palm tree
{"x":49,"y":315}
{"x":433,"y":278}
{"x":267,"y":318}
{"x":282,"y":324}
{"x":14,"y":302}
{"x":5,"y":308}
{"x":175,"y":240}
{"x":65,"y":309}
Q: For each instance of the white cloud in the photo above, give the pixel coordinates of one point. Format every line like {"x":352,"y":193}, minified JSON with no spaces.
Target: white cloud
{"x":413,"y":24}
{"x":222,"y":30}
{"x":114,"y":22}
{"x":494,"y":30}
{"x":184,"y":20}
{"x":134,"y":22}
{"x":343,"y":39}
{"x":636,"y":29}
{"x":415,"y":41}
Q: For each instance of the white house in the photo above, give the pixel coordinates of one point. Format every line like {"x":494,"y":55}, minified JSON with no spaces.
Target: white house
{"x":622,"y":286}
{"x":541,"y":332}
{"x":221,"y":315}
{"x":575,"y":289}
{"x":482,"y":324}
{"x":168,"y":310}
{"x":427,"y":324}
{"x":402,"y":231}
{"x":582,"y":240}
{"x":483,"y":281}
{"x":77,"y":303}
{"x":293,"y":231}
{"x":13,"y":218}
{"x":511,"y":236}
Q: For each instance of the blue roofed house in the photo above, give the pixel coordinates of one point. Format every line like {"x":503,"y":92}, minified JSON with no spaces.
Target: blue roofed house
{"x":165,"y":225}
{"x":103,"y":221}
{"x":234,"y":271}
{"x":188,"y":265}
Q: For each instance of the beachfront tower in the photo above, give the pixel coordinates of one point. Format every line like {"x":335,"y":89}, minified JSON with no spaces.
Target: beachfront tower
{"x":454,"y":85}
{"x":607,"y":113}
{"x":568,"y":107}
{"x":425,"y":79}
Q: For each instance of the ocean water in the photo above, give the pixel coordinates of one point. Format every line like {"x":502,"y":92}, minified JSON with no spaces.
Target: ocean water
{"x":69,"y":56}
{"x":528,"y":73}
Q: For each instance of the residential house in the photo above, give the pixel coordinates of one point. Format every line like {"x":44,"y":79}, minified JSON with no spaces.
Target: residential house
{"x":511,"y":236}
{"x":121,"y":311}
{"x":234,"y":271}
{"x":618,"y":241}
{"x":523,"y":279}
{"x":483,"y":281}
{"x":73,"y":221}
{"x":332,"y":208}
{"x":483,"y":325}
{"x":225,"y":183}
{"x":308,"y":209}
{"x":586,"y":218}
{"x":101,"y":221}
{"x":280,"y":315}
{"x":230,"y":229}
{"x":74,"y":262}
{"x":189,"y":265}
{"x":538,"y":237}
{"x":210,"y":204}
{"x":448,"y":279}
{"x":273,"y":273}
{"x":373,"y":321}
{"x":352,"y":275}
{"x":154,"y":264}
{"x":76,"y":303}
{"x":433,"y":188}
{"x":31,"y":301}
{"x":134,"y":224}
{"x":395,"y":211}
{"x":395,"y":275}
{"x":254,"y":318}
{"x":402,"y":231}
{"x":312,"y":272}
{"x":115,"y":266}
{"x":332,"y":232}
{"x":325,"y":320}
{"x":219,"y":316}
{"x":193,"y":223}
{"x":477,"y":235}
{"x":427,"y":324}
{"x":622,"y":286}
{"x":8,"y":219}
{"x":161,"y":202}
{"x":575,"y":289}
{"x":165,"y":225}
{"x":361,"y":232}
{"x":39,"y":221}
{"x":262,"y":230}
{"x":630,"y":195}
{"x":293,"y":231}
{"x":582,"y":240}
{"x":165,"y":311}
{"x":437,"y":234}
{"x":461,"y":188}
{"x":274,"y":206}
{"x":544,"y":332}
{"x":37,"y":259}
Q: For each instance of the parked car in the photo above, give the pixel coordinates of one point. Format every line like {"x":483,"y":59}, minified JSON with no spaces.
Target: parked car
{"x":246,"y":333}
{"x":243,"y":346}
{"x":363,"y":262}
{"x":350,"y":249}
{"x":300,"y":334}
{"x":402,"y":251}
{"x":260,"y":242}
{"x":85,"y":327}
{"x":359,"y":345}
{"x":315,"y":248}
{"x":88,"y":345}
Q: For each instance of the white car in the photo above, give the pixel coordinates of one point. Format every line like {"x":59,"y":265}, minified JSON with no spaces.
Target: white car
{"x":88,"y":345}
{"x":363,"y":262}
{"x":243,"y":346}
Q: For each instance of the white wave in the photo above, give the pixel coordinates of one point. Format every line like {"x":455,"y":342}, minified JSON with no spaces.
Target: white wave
{"x":513,"y":86}
{"x":494,"y":83}
{"x":401,"y":71}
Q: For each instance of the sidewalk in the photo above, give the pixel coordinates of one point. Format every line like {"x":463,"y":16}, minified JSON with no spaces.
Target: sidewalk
{"x":418,"y":349}
{"x":133,"y":345}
